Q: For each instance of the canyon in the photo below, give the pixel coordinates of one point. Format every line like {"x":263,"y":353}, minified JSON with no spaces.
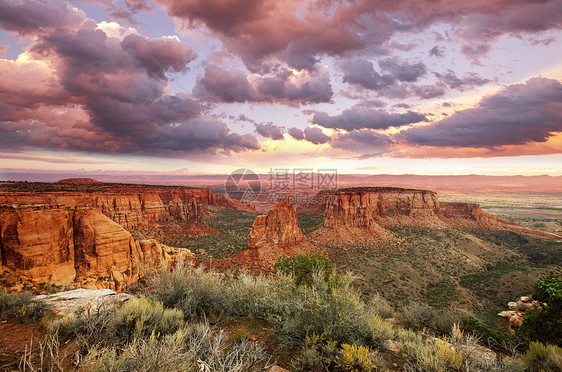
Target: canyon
{"x":79,"y":233}
{"x":373,"y":208}
{"x":83,"y":238}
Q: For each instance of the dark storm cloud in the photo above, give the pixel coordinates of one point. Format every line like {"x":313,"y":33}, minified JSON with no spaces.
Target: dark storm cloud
{"x":315,"y":135}
{"x":366,"y":118}
{"x":519,"y":114}
{"x":296,"y":133}
{"x":218,"y":84}
{"x":270,"y":130}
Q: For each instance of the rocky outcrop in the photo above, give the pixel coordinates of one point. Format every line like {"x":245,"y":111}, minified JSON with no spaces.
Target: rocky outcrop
{"x":38,"y":242}
{"x":279,"y":227}
{"x":516,"y":312}
{"x":463,"y":212}
{"x":79,"y":246}
{"x":368,"y":208}
{"x":90,"y":301}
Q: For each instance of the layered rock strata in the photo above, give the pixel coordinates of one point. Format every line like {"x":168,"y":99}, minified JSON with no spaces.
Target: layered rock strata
{"x":79,"y":246}
{"x":279,"y":227}
{"x":368,"y":208}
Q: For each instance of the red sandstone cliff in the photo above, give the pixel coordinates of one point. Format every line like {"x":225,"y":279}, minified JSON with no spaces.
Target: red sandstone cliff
{"x":368,"y":208}
{"x":79,"y":246}
{"x":273,"y":235}
{"x":135,"y":210}
{"x":278,"y":227}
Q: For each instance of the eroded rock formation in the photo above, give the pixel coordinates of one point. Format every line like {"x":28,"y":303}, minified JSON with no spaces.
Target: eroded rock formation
{"x":79,"y":246}
{"x":516,"y":312}
{"x":278,"y":228}
{"x":370,"y":207}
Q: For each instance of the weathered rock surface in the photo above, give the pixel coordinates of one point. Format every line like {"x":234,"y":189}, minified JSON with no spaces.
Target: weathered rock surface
{"x":135,"y":210}
{"x":78,"y":246}
{"x":279,"y":227}
{"x":89,"y":300}
{"x":463,"y":212}
{"x":516,"y":312}
{"x":368,"y":208}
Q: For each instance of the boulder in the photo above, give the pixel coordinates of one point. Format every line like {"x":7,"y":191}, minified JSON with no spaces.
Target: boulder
{"x":88,"y":300}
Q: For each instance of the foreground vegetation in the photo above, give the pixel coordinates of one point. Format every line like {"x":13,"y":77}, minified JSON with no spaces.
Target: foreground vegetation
{"x":304,"y":318}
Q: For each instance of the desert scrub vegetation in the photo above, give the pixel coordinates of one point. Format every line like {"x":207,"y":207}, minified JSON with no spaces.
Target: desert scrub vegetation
{"x":20,"y":307}
{"x":303,"y":318}
{"x":540,"y":357}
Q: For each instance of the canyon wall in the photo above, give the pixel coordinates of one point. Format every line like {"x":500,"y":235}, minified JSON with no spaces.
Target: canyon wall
{"x":468,"y":212}
{"x":72,"y":246}
{"x":134,"y":210}
{"x":368,"y":208}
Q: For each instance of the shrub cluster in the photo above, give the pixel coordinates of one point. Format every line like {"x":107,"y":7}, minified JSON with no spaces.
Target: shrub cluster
{"x":20,"y":307}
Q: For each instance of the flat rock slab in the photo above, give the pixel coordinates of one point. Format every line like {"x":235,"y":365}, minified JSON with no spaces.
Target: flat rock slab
{"x":93,"y":300}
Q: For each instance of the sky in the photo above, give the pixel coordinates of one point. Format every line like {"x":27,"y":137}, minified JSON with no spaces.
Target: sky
{"x":209,"y":86}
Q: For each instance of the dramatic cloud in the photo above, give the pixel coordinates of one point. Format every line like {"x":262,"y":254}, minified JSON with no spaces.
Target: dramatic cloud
{"x":82,"y":89}
{"x":362,"y":72}
{"x":301,"y":33}
{"x":38,"y":16}
{"x":231,"y":85}
{"x":296,"y":133}
{"x":403,"y":71}
{"x":270,"y":130}
{"x":315,"y":135}
{"x":364,"y":141}
{"x":366,"y":118}
{"x":475,"y":52}
{"x":519,"y":114}
{"x":396,"y":83}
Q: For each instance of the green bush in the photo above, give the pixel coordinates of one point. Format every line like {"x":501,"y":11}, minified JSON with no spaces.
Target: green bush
{"x":544,"y":323}
{"x":193,"y":290}
{"x":21,"y":307}
{"x":303,"y":267}
{"x":540,"y":357}
{"x":255,"y":296}
{"x":141,"y":317}
{"x":333,"y":310}
{"x":492,"y":338}
{"x":419,"y":316}
{"x":380,"y":306}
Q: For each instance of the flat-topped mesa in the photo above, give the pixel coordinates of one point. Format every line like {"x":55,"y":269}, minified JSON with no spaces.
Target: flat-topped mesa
{"x":368,"y":207}
{"x":79,"y":181}
{"x":59,"y":245}
{"x":277,"y":228}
